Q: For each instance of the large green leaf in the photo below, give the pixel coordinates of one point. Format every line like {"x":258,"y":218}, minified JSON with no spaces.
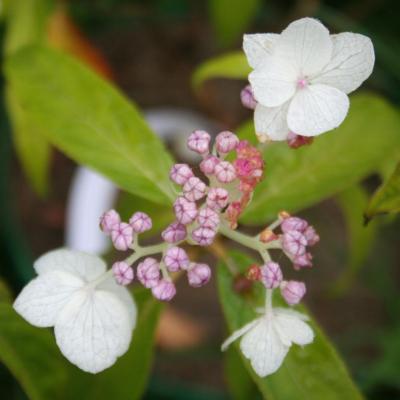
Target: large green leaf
{"x":89,"y":120}
{"x":32,"y":356}
{"x":230,"y":18}
{"x":230,"y":65}
{"x":295,"y":179}
{"x":313,"y":372}
{"x":387,"y":197}
{"x":360,"y":237}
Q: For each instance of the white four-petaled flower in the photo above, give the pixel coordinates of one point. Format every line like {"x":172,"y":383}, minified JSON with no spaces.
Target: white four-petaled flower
{"x":301,"y":77}
{"x":92,"y":316}
{"x":266,"y":340}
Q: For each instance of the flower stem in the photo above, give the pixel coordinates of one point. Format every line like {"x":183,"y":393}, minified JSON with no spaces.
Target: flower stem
{"x":241,"y":238}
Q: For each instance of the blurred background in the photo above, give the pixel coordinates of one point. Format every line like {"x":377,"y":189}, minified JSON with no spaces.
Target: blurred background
{"x":150,"y":49}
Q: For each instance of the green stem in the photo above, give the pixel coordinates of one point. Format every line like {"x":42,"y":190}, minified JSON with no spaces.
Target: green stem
{"x":241,"y":238}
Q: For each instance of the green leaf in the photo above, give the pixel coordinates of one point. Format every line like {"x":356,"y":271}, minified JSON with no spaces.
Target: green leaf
{"x":28,"y":142}
{"x":89,"y":120}
{"x":360,"y":237}
{"x":313,"y":372}
{"x":295,"y":179}
{"x":230,"y":18}
{"x":387,"y":198}
{"x":231,"y":65}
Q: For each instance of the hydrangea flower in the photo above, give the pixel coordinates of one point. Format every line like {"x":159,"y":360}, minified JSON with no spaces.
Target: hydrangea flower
{"x":266,"y":340}
{"x":93,"y":317}
{"x":301,"y":77}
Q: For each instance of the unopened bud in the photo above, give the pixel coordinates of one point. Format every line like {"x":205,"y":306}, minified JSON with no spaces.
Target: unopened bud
{"x":199,"y":141}
{"x":174,"y":232}
{"x":293,"y":291}
{"x":175,"y":259}
{"x":165,"y":290}
{"x":226,"y":141}
{"x":108,"y":220}
{"x":194,"y":189}
{"x":148,"y":272}
{"x":199,"y":275}
{"x":140,"y":222}
{"x":267,"y":235}
{"x":122,"y":236}
{"x":123,"y":273}
{"x":180,"y":173}
{"x":247,"y":98}
{"x":225,"y":172}
{"x":271,"y":275}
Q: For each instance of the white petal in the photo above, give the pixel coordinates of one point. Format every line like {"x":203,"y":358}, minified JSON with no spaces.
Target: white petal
{"x":306,"y":44}
{"x":274,"y":83}
{"x":44,"y":297}
{"x":351,"y":64}
{"x":123,"y":294}
{"x":258,"y":47}
{"x":317,"y":109}
{"x":237,"y":334}
{"x":81,"y":264}
{"x":93,"y":329}
{"x":262,"y":345}
{"x":271,"y":122}
{"x":292,"y":329}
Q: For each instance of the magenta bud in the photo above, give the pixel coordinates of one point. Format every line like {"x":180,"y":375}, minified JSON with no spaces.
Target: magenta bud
{"x":108,"y":220}
{"x":180,"y":173}
{"x":165,"y":290}
{"x":293,"y":291}
{"x":225,"y":172}
{"x":295,"y":141}
{"x":174,"y":232}
{"x":123,"y":273}
{"x":207,"y":166}
{"x":148,"y":272}
{"x":217,"y":198}
{"x":311,"y":236}
{"x":294,"y":224}
{"x":294,"y":243}
{"x":303,"y":261}
{"x":194,"y":189}
{"x":140,"y":222}
{"x":199,"y":141}
{"x":203,"y":236}
{"x":208,"y":218}
{"x":226,"y":141}
{"x":122,"y":236}
{"x":175,"y":258}
{"x":247,"y":98}
{"x":185,"y":210}
{"x":271,"y":275}
{"x":199,"y":275}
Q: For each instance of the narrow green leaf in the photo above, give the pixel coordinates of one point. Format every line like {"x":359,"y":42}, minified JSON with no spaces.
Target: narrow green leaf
{"x":230,"y":18}
{"x":231,"y":65}
{"x":313,"y":372}
{"x":89,"y":120}
{"x":360,"y":237}
{"x":387,"y":198}
{"x":295,"y":179}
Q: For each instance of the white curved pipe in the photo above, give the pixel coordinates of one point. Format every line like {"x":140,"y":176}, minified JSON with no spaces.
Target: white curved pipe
{"x":91,"y":194}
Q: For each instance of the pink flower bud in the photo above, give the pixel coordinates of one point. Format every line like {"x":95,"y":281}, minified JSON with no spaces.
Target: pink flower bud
{"x":122,"y":236}
{"x":293,"y":291}
{"x":294,"y":243}
{"x":174,"y":232}
{"x":148,"y":272}
{"x":140,"y":222}
{"x":194,"y":189}
{"x":295,"y":141}
{"x":311,"y":236}
{"x":199,"y":275}
{"x":199,"y":141}
{"x":217,"y":198}
{"x":294,"y":224}
{"x":207,"y":166}
{"x":180,"y":173}
{"x":108,"y":220}
{"x":226,"y":141}
{"x":303,"y":261}
{"x":175,"y":259}
{"x":203,"y":236}
{"x":247,"y":98}
{"x":208,"y":218}
{"x":123,"y":273}
{"x":271,"y":275}
{"x":185,"y":210}
{"x":225,"y":172}
{"x":165,"y":290}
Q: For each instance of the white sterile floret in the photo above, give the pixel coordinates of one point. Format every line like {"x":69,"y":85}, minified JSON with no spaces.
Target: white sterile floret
{"x":301,"y":77}
{"x":266,"y":340}
{"x":92,"y":316}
